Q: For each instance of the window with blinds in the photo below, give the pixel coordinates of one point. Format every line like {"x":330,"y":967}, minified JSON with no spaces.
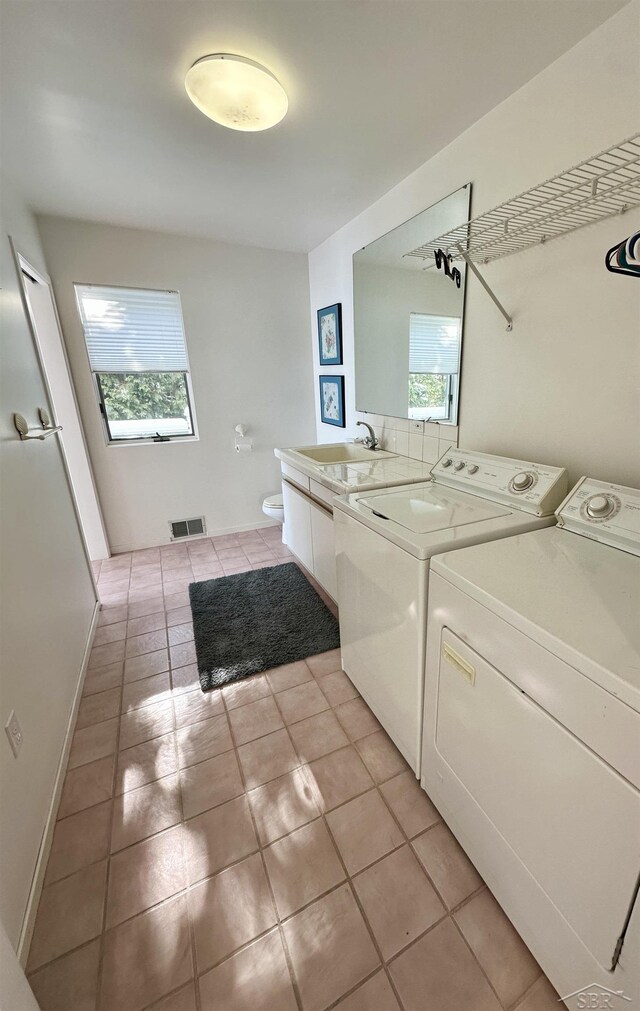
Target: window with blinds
{"x":138,"y":356}
{"x":434,"y":362}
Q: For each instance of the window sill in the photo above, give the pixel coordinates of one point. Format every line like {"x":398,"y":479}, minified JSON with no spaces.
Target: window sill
{"x":173,"y":439}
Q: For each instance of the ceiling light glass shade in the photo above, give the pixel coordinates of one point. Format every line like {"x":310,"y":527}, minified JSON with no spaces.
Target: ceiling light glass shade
{"x":236,"y":92}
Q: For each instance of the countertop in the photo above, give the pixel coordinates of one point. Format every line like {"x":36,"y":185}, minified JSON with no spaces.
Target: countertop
{"x":343,"y":478}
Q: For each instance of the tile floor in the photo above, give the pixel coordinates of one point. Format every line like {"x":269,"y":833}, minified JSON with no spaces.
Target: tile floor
{"x":259,"y":848}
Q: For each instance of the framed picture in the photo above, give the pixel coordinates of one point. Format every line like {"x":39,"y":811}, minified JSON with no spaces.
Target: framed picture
{"x":332,"y":400}
{"x":330,"y":334}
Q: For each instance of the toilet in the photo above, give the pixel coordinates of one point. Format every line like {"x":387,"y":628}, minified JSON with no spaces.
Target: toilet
{"x":273,"y":506}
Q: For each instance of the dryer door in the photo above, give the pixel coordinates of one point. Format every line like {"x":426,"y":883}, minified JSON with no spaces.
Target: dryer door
{"x":570,"y":818}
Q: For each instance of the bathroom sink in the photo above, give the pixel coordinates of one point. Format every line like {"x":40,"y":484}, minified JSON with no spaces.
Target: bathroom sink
{"x":342,"y":452}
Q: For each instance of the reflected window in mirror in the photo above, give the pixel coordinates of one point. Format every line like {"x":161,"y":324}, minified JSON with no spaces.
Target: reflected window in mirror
{"x":408,"y":320}
{"x":434,"y":357}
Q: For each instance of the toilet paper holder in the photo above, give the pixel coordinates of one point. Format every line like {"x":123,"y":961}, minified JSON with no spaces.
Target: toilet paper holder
{"x":242,"y":443}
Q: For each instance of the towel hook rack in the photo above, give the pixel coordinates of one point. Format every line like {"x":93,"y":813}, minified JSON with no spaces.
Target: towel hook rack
{"x":47,"y":429}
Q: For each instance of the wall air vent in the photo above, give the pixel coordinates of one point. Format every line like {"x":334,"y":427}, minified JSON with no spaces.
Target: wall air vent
{"x":187,"y":528}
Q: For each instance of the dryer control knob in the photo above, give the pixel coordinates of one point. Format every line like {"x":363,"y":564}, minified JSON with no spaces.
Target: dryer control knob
{"x":472,"y":468}
{"x":458,"y":465}
{"x":522,"y":481}
{"x":447,"y":462}
{"x":599,"y":506}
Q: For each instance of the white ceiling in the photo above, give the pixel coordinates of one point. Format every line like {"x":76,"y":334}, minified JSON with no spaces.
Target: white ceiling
{"x":96,"y":122}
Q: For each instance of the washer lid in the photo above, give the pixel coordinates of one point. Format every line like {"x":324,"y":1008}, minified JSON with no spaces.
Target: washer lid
{"x":427,"y":509}
{"x":425,"y":519}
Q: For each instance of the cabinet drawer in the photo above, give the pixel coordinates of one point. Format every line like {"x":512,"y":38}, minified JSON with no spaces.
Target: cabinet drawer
{"x":295,"y":476}
{"x":321,"y":493}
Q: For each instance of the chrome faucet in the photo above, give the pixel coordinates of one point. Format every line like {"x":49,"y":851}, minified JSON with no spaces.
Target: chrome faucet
{"x":370,"y":441}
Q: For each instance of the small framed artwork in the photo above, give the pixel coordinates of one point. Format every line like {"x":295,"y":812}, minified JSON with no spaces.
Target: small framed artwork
{"x":332,"y":400}
{"x":330,"y":334}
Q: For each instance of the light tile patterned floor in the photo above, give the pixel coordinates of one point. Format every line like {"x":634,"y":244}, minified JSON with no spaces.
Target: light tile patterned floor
{"x":259,"y":848}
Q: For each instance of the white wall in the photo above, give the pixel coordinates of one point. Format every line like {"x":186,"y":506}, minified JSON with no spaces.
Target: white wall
{"x":46,"y":589}
{"x":563,"y":387}
{"x":246,"y":318}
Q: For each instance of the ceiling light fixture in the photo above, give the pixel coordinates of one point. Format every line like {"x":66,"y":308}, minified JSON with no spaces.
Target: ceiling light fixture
{"x":236,"y":92}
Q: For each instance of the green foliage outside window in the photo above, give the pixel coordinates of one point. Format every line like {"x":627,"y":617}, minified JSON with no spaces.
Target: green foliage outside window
{"x":428,"y":390}
{"x":137,"y":396}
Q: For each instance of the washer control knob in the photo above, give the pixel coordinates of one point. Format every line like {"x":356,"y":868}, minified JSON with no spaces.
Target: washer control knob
{"x":458,"y":465}
{"x":472,"y":468}
{"x":447,"y":462}
{"x":522,"y":481}
{"x":599,"y":506}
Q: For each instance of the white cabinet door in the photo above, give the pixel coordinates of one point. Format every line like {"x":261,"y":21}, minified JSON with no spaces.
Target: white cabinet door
{"x":324,"y":552}
{"x":297,"y":519}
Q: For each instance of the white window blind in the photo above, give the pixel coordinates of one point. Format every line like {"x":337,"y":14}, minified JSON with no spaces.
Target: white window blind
{"x":434,"y":344}
{"x":132,"y":329}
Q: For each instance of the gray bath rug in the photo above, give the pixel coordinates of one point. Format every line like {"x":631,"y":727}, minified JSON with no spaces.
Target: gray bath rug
{"x":252,"y":621}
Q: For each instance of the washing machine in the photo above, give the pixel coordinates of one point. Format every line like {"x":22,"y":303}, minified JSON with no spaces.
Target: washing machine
{"x":531,"y":746}
{"x":384,"y":542}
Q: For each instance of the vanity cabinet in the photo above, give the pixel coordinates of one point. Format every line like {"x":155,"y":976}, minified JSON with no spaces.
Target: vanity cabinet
{"x":309,"y":493}
{"x":309,"y":527}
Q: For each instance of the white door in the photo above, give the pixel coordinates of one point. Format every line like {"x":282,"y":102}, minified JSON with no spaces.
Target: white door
{"x":45,"y":325}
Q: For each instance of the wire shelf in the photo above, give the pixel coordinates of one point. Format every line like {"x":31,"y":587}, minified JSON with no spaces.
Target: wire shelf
{"x":597,"y":188}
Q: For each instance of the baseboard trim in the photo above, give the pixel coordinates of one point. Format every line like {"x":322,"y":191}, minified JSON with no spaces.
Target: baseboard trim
{"x":37,"y":882}
{"x":120,"y":549}
{"x":324,"y":595}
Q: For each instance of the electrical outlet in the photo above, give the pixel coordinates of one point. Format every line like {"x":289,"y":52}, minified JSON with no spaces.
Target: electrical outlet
{"x":14,"y":733}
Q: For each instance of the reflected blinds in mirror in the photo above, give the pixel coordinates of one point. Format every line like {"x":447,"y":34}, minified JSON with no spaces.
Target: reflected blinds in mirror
{"x":434,"y":344}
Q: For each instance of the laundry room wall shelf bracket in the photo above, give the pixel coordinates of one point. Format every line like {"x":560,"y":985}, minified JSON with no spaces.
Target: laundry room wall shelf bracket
{"x":604,"y":185}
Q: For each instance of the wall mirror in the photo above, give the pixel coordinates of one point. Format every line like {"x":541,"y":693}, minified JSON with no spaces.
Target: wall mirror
{"x":408,"y":319}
